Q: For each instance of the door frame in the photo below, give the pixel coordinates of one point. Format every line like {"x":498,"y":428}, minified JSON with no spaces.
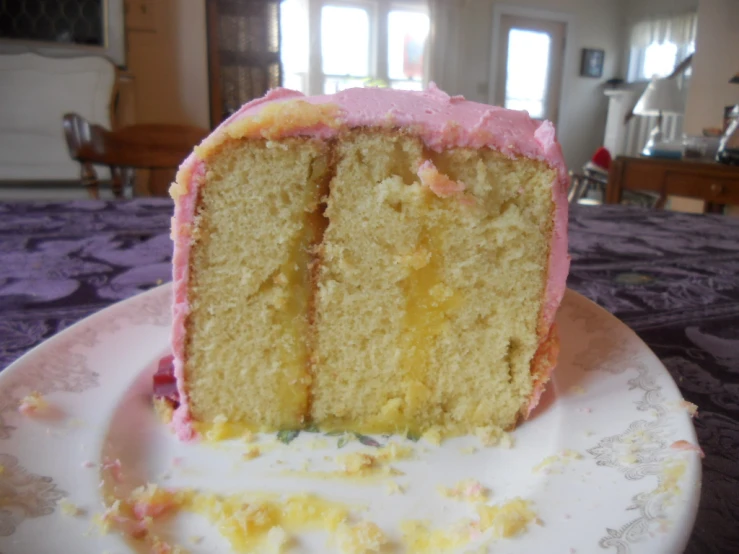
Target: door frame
{"x":521,"y":11}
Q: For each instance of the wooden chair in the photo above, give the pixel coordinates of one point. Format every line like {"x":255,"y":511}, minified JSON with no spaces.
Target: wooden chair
{"x":159,"y":148}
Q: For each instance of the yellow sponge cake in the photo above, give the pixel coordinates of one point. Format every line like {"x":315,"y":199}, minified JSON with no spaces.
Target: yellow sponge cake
{"x":374,"y":260}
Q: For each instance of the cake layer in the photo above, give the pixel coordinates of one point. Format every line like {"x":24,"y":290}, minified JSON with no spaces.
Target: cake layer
{"x":246,"y":353}
{"x":432,"y":275}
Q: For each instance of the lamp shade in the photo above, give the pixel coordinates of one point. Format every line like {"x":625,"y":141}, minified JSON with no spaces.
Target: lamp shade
{"x":661,"y":96}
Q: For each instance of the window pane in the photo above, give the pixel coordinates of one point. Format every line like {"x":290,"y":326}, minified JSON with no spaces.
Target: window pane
{"x":659,"y":59}
{"x":406,"y":36}
{"x":527,"y":68}
{"x":406,"y":85}
{"x":294,"y":44}
{"x":345,"y":41}
{"x":337,"y":84}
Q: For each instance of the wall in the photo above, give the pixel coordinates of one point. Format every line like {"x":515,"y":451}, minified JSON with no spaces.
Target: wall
{"x":167,"y":57}
{"x":714,"y":63}
{"x":594,"y":24}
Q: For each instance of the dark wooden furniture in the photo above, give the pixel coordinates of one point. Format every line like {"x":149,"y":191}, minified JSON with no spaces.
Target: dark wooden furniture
{"x":243,"y":53}
{"x":716,"y":184}
{"x":156,"y":147}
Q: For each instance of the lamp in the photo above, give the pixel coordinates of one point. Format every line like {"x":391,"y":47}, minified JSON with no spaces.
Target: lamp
{"x":728,"y":148}
{"x":662,"y":96}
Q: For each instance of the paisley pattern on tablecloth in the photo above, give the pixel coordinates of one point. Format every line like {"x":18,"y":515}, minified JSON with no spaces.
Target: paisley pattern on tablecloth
{"x":670,"y":277}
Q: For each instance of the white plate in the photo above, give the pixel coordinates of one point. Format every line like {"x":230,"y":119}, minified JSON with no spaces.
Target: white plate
{"x":611,"y":400}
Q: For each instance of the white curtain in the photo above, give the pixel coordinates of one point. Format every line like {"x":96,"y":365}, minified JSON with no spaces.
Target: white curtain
{"x":444,"y":46}
{"x":678,"y":29}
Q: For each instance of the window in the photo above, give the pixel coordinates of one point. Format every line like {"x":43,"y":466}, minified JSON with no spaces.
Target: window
{"x":527,"y":68}
{"x":659,"y":45}
{"x":328,"y":46}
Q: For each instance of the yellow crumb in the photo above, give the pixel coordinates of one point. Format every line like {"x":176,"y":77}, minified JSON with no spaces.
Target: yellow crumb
{"x":253,"y":452}
{"x":671,"y":474}
{"x":163,"y":409}
{"x":195,"y":539}
{"x":277,"y":539}
{"x":420,"y":538}
{"x":468,"y":450}
{"x":576,"y":389}
{"x":689,"y":407}
{"x":557,"y":460}
{"x":433,"y":436}
{"x":467,"y":490}
{"x":492,"y":436}
{"x":248,"y":436}
{"x":374,"y":462}
{"x":506,"y":520}
{"x":218,"y":429}
{"x":362,"y":538}
{"x":392,"y":487}
{"x":69,"y":509}
{"x":33,"y":403}
{"x":356,"y":462}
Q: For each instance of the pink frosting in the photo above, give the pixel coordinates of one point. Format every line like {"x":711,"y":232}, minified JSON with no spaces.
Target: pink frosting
{"x":443,"y":122}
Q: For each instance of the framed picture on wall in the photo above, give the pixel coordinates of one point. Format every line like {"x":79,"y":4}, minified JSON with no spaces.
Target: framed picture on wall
{"x":592,"y":62}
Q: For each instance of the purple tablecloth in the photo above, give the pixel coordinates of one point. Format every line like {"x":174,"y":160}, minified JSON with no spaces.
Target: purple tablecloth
{"x":670,"y":277}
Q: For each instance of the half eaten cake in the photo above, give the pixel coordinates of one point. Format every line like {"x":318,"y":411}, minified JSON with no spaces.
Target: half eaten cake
{"x":374,"y":261}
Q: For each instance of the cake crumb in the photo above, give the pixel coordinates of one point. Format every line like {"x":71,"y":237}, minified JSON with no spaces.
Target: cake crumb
{"x":557,"y":460}
{"x":506,"y":520}
{"x":356,"y":462}
{"x":33,"y":404}
{"x":671,"y":474}
{"x":392,"y":487}
{"x":277,"y":538}
{"x":688,"y":446}
{"x":69,"y":509}
{"x":492,"y":436}
{"x":163,"y":410}
{"x":468,"y":450}
{"x":467,"y":490}
{"x":88,"y":464}
{"x":195,"y":539}
{"x":219,"y":429}
{"x":689,"y":407}
{"x":362,"y":538}
{"x":576,"y":389}
{"x":2,"y":469}
{"x":114,"y":467}
{"x":251,"y":453}
{"x":248,"y":436}
{"x":585,"y":410}
{"x":433,"y":436}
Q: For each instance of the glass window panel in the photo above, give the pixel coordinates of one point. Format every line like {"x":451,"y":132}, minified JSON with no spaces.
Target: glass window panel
{"x":527,"y":69}
{"x":294,"y":44}
{"x":345,"y":41}
{"x":659,"y":59}
{"x":407,"y":33}
{"x":337,"y":84}
{"x":406,"y":85}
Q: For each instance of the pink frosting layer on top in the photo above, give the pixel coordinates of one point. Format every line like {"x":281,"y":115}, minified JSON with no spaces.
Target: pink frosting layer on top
{"x":442,"y":122}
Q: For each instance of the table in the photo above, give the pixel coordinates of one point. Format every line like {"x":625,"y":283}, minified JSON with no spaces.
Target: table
{"x":671,"y":277}
{"x":716,"y":184}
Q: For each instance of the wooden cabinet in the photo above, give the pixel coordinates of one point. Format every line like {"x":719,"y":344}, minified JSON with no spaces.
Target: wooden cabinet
{"x":716,"y":184}
{"x":243,"y":53}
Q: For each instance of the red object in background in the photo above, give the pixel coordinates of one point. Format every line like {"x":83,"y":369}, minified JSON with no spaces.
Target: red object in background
{"x":602,"y":158}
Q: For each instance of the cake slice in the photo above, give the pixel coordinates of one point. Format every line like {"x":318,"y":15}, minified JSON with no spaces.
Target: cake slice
{"x":375,"y":260}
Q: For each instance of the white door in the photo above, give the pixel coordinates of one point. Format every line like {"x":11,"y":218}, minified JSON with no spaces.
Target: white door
{"x":529,"y":68}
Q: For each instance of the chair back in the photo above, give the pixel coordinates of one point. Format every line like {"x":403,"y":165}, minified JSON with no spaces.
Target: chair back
{"x":145,"y":146}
